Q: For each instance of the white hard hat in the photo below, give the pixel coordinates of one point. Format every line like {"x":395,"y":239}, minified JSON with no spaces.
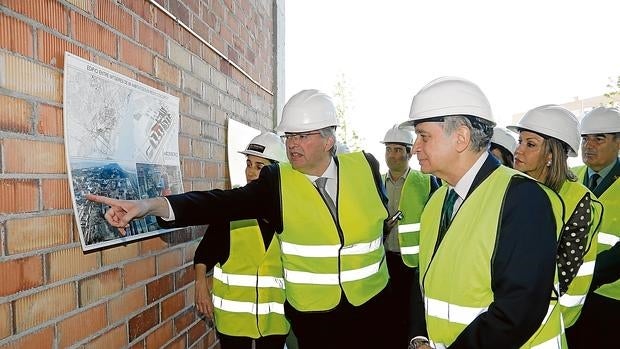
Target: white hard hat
{"x":267,"y":145}
{"x":553,"y":121}
{"x":504,"y":139}
{"x":398,"y":135}
{"x":601,"y":120}
{"x":447,"y":96}
{"x":342,"y":148}
{"x":308,"y":110}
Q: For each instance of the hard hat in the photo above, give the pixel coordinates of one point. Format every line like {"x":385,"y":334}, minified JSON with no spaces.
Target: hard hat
{"x":447,"y":96}
{"x":342,"y":148}
{"x":398,"y":135}
{"x":308,"y":110}
{"x":504,"y":139}
{"x":553,"y":121}
{"x":267,"y":145}
{"x":601,"y":120}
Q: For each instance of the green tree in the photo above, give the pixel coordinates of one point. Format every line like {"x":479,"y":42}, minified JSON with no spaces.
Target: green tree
{"x":613,"y":94}
{"x":345,"y":133}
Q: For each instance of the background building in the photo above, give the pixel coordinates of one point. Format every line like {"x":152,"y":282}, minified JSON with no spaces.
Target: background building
{"x":222,"y":58}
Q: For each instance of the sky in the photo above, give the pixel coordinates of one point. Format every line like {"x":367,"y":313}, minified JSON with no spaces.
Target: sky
{"x":522,"y":54}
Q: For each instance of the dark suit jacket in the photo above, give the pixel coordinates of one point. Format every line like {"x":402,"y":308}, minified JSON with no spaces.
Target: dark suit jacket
{"x":607,"y":267}
{"x":522,"y":268}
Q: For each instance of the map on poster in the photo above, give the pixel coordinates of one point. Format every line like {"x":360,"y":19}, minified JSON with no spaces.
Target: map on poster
{"x":121,"y":141}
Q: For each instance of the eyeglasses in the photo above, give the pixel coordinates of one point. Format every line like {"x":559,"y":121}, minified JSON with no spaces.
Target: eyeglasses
{"x":298,"y":137}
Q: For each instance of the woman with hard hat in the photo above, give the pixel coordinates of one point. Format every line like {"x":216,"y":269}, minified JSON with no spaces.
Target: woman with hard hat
{"x":246,"y":308}
{"x":548,"y":135}
{"x":503,"y":146}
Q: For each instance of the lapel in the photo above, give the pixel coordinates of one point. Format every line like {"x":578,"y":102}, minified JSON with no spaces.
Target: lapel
{"x":489,"y":165}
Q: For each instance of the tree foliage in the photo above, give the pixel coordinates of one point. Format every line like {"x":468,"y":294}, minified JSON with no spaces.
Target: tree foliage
{"x":345,"y":133}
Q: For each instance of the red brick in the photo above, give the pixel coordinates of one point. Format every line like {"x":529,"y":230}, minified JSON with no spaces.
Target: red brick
{"x":50,"y":120}
{"x":35,"y":233}
{"x":139,"y":270}
{"x":184,"y":146}
{"x":100,"y":286}
{"x":183,"y":320}
{"x":16,"y":36}
{"x":136,"y":56}
{"x":172,"y":305}
{"x":40,"y":307}
{"x":178,"y":343}
{"x":49,"y":12}
{"x":114,"y":66}
{"x":167,"y":72}
{"x":92,"y":34}
{"x":56,"y":194}
{"x":159,"y":288}
{"x":184,"y":277}
{"x":26,"y":156}
{"x":151,"y":38}
{"x":51,"y":49}
{"x":83,"y":4}
{"x":138,"y":345}
{"x":6,"y":322}
{"x":151,"y":245}
{"x":18,"y":75}
{"x":114,"y":338}
{"x":143,"y":322}
{"x":196,"y":331}
{"x":70,"y":262}
{"x":41,"y":339}
{"x":159,"y":337}
{"x":81,"y":325}
{"x":18,"y":195}
{"x":15,"y":114}
{"x":123,"y":305}
{"x":119,"y":254}
{"x":169,"y":261}
{"x":164,"y":23}
{"x":20,"y":274}
{"x":150,"y":82}
{"x":114,"y":15}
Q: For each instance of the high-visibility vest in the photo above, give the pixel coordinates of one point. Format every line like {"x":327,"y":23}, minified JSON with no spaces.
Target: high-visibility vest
{"x":609,"y":232}
{"x":322,"y":256}
{"x":413,"y":197}
{"x":248,"y":289}
{"x":456,"y":281}
{"x":572,"y":301}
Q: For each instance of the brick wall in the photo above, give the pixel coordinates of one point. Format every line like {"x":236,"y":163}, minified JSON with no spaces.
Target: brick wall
{"x":52,"y":294}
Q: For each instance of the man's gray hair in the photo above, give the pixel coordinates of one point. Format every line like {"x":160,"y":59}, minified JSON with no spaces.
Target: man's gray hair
{"x":481,"y":130}
{"x":330,"y":132}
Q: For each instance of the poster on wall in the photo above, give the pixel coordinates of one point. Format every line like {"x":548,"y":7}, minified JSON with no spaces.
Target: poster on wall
{"x":121,"y":141}
{"x":239,"y":136}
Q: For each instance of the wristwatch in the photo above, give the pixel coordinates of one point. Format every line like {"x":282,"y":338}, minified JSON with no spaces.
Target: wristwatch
{"x":418,"y":341}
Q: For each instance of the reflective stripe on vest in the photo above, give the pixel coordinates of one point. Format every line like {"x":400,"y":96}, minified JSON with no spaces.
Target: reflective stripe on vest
{"x":587,"y":268}
{"x":247,"y":280}
{"x":330,"y":250}
{"x":248,"y":307}
{"x":301,"y":277}
{"x":452,"y":312}
{"x":408,"y":228}
{"x":607,"y":239}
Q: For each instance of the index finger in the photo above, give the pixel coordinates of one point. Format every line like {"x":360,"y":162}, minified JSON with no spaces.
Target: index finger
{"x":101,"y":199}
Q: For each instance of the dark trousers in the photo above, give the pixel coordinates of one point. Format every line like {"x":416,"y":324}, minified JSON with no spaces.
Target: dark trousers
{"x":267,"y":342}
{"x":597,"y":326}
{"x":404,"y":303}
{"x":345,"y":326}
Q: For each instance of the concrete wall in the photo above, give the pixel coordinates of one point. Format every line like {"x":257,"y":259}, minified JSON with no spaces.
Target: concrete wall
{"x":53,"y":295}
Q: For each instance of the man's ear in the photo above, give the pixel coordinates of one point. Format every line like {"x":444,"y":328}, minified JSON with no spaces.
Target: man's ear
{"x":331,"y":141}
{"x":463,"y":138}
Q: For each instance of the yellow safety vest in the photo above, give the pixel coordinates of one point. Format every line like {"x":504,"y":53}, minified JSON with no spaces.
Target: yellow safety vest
{"x":320,"y":256}
{"x":572,"y":301}
{"x":248,"y":289}
{"x":609,"y":232}
{"x":456,"y":281}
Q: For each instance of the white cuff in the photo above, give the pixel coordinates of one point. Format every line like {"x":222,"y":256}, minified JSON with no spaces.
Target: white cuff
{"x":171,"y":217}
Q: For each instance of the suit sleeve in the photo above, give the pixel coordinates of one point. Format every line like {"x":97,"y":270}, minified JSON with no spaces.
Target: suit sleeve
{"x":258,"y":199}
{"x":607,"y":267}
{"x":214,"y":246}
{"x":522,"y":271}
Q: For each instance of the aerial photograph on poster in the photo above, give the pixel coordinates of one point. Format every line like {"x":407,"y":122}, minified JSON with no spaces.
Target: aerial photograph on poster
{"x":121,"y":140}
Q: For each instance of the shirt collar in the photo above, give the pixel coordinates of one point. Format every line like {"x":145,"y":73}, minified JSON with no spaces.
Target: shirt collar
{"x":464,"y":184}
{"x":402,"y":177}
{"x":331,"y":172}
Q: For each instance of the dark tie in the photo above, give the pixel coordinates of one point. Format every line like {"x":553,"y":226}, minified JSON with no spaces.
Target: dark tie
{"x":594,"y":181}
{"x":446,"y":212}
{"x":320,"y":184}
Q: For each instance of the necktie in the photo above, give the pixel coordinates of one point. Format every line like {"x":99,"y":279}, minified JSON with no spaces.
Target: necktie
{"x":320,"y":184}
{"x":594,"y":181}
{"x":446,"y":212}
